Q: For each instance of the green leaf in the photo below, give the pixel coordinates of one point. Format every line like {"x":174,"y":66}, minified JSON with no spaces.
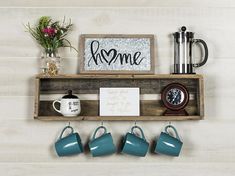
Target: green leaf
{"x":54,"y":42}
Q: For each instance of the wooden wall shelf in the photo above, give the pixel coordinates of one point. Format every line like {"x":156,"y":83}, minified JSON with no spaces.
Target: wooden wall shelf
{"x":90,"y":84}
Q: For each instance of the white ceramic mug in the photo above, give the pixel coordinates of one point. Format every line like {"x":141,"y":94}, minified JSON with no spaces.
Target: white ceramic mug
{"x":68,"y":107}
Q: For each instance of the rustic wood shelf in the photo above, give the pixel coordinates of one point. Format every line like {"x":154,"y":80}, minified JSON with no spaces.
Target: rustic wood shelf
{"x":111,"y":118}
{"x":90,"y":84}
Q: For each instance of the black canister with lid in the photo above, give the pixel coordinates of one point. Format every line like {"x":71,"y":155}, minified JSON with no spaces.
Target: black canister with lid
{"x":70,"y":95}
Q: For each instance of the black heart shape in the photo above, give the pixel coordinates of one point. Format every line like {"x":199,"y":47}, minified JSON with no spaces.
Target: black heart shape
{"x":106,"y":55}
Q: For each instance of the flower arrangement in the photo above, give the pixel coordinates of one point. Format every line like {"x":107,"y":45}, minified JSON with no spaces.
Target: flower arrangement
{"x":51,"y":34}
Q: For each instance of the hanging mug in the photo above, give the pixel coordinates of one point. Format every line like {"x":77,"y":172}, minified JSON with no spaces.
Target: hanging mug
{"x":69,"y":105}
{"x":102,"y":145}
{"x":70,"y":144}
{"x":167,"y":144}
{"x":134,"y":145}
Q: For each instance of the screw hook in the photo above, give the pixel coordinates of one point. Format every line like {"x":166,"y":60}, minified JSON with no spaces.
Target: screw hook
{"x":69,"y":124}
{"x":135,"y":123}
{"x":102,"y":123}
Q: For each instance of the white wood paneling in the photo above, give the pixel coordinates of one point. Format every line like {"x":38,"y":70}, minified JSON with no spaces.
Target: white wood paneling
{"x":216,"y":28}
{"x":108,"y":169}
{"x":116,"y":3}
{"x":20,"y":141}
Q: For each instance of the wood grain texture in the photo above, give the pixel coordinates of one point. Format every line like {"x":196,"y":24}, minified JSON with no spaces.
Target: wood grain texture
{"x":37,"y":98}
{"x":116,"y":3}
{"x":130,"y":76}
{"x":120,"y":118}
{"x":161,"y":21}
{"x":23,"y":83}
{"x":90,"y":84}
{"x":150,"y":110}
{"x":200,"y":98}
{"x":26,"y":145}
{"x":214,"y":107}
{"x":84,"y":84}
{"x":205,"y":169}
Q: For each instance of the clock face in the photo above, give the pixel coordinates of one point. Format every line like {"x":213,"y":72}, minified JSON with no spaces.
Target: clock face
{"x":175,"y":96}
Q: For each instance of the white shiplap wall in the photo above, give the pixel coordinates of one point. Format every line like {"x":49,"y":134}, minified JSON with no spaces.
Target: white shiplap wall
{"x":26,"y":145}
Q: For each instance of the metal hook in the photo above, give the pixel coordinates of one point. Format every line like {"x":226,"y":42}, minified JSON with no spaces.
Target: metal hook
{"x":135,"y":123}
{"x":102,"y":123}
{"x":169,"y":122}
{"x":69,"y":124}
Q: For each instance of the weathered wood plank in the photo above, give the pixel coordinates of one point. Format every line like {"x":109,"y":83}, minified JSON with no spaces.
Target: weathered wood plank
{"x":90,"y":108}
{"x":15,"y":82}
{"x":90,"y":84}
{"x":119,"y":118}
{"x":151,"y":84}
{"x":214,"y":107}
{"x":119,"y":76}
{"x":37,"y":98}
{"x":200,"y":98}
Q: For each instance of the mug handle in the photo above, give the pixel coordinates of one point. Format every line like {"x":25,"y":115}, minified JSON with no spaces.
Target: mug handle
{"x":176,"y":133}
{"x":53,"y":104}
{"x":65,"y":128}
{"x":206,"y":52}
{"x":97,"y":129}
{"x":142,"y":133}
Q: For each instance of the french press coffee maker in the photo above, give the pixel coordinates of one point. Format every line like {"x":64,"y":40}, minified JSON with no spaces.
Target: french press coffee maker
{"x":183,"y":49}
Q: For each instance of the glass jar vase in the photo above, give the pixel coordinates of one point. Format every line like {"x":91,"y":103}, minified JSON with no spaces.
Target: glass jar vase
{"x":50,"y":63}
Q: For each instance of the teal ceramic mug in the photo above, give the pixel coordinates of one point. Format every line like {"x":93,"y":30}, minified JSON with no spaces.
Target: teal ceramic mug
{"x":134,"y":145}
{"x":102,"y":145}
{"x":167,"y":144}
{"x":70,"y":144}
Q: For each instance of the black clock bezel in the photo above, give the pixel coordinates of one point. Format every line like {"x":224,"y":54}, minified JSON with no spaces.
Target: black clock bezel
{"x":170,"y":106}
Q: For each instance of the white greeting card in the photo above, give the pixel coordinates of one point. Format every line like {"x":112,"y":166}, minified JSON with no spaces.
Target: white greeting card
{"x":119,"y":102}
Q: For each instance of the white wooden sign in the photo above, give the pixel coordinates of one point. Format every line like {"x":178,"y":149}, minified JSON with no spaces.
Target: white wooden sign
{"x":121,"y":54}
{"x":119,"y":102}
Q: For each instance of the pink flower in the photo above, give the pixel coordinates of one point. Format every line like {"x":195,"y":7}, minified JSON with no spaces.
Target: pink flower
{"x":49,"y":31}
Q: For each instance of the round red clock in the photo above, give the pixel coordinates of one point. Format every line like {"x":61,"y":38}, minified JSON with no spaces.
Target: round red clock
{"x":175,"y":98}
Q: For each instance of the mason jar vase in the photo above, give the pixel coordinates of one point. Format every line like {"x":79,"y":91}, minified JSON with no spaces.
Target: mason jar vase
{"x":50,"y":63}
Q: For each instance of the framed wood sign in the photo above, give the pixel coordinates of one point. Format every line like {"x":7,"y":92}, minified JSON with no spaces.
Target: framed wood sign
{"x":117,"y":54}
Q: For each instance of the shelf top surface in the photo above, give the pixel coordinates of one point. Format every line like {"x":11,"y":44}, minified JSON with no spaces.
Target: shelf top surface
{"x":120,"y":118}
{"x":105,"y":76}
